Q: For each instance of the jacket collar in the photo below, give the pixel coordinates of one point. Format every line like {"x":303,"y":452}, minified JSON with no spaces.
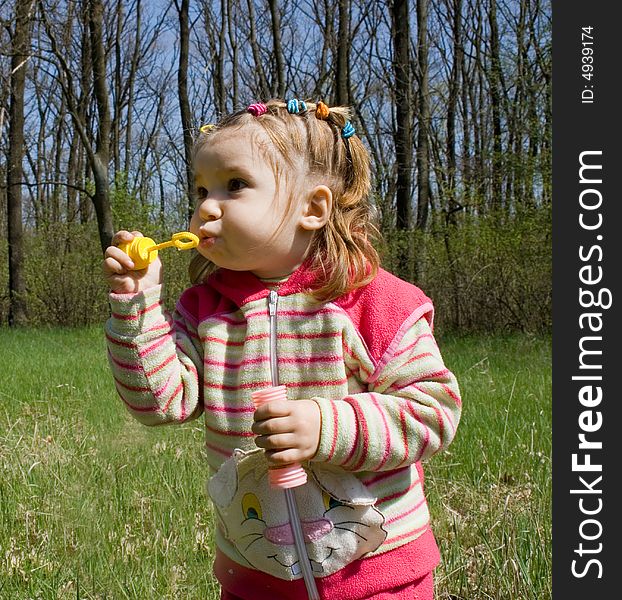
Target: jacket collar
{"x":242,"y":287}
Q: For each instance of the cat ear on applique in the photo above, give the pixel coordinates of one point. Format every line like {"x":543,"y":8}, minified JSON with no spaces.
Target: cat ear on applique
{"x":341,"y":485}
{"x":223,"y":486}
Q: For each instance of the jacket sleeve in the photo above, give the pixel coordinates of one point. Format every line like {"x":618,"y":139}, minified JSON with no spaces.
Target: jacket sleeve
{"x":155,"y":357}
{"x":410,"y":411}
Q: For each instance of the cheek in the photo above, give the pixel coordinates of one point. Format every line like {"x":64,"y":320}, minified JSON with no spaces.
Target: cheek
{"x":246,"y":225}
{"x":195,"y":222}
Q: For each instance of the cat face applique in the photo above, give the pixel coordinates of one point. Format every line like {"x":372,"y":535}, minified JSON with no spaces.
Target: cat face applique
{"x":338,"y":519}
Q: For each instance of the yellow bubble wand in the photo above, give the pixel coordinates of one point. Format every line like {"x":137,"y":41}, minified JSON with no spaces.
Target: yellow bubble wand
{"x":143,"y":250}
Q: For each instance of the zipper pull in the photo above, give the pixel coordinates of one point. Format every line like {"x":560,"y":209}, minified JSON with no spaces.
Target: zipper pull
{"x":273,"y":299}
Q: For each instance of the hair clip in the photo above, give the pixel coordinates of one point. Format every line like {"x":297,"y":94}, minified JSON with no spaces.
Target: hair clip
{"x":257,"y":109}
{"x":206,"y":128}
{"x":322,"y":111}
{"x":294,"y":106}
{"x":348,"y":130}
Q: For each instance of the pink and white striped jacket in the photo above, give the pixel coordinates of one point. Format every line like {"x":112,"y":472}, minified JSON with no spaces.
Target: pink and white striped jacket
{"x":368,"y":359}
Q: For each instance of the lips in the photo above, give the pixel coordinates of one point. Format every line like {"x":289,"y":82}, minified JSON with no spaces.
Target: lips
{"x":207,"y":242}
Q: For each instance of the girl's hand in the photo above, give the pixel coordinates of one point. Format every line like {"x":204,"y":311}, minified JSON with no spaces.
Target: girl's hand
{"x":288,"y":430}
{"x":117,"y":267}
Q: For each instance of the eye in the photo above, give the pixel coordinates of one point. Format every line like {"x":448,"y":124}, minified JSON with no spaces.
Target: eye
{"x":330,"y":502}
{"x":251,"y":507}
{"x":201,"y":193}
{"x":235,"y":185}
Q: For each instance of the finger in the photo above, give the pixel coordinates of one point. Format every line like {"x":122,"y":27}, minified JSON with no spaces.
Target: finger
{"x":113,"y":267}
{"x":276,"y":408}
{"x":276,"y":442}
{"x":283,"y":457}
{"x":124,"y":236}
{"x":116,"y":254}
{"x":121,"y":236}
{"x":272,"y":426}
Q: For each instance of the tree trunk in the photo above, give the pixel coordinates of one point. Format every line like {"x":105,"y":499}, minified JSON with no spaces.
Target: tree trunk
{"x":20,"y":55}
{"x":278,"y":50}
{"x":467,"y":168}
{"x":57,"y":152}
{"x":117,"y":91}
{"x":495,"y":101}
{"x":452,"y":100}
{"x":264,"y":88}
{"x":184,"y":102}
{"x":73,"y":168}
{"x":342,"y":76}
{"x":233,"y":42}
{"x":403,"y":106}
{"x":423,"y":142}
{"x":99,"y":162}
{"x":220,"y":84}
{"x":327,"y":29}
{"x":130,"y":88}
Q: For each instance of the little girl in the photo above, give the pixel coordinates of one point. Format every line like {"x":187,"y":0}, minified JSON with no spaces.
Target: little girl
{"x":285,"y":228}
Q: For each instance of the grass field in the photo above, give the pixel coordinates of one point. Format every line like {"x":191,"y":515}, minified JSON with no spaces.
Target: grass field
{"x":94,"y":505}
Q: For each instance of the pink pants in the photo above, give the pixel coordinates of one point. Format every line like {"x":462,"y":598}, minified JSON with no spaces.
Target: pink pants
{"x":421,"y":589}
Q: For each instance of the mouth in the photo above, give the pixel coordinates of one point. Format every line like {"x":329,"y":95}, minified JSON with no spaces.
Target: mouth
{"x":207,"y":242}
{"x":295,"y":568}
{"x":315,"y":567}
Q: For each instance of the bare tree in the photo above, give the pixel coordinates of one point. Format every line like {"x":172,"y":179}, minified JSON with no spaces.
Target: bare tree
{"x":263,"y":88}
{"x":403,"y":134}
{"x":495,"y":102}
{"x":455,"y":13}
{"x":233,"y":43}
{"x":98,"y":152}
{"x":451,"y":97}
{"x":184,"y":102}
{"x":423,"y":113}
{"x":275,"y":16}
{"x":101,"y":156}
{"x":20,"y":53}
{"x":342,"y":75}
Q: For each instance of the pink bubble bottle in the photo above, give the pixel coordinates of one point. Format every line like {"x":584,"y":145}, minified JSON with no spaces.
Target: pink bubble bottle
{"x":290,"y":476}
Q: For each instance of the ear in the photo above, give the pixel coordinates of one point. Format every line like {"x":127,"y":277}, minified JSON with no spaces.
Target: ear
{"x":223,"y":486}
{"x":317,"y":208}
{"x":343,"y":486}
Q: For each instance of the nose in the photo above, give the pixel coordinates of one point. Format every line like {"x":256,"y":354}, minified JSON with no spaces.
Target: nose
{"x":209,"y":210}
{"x":282,"y":535}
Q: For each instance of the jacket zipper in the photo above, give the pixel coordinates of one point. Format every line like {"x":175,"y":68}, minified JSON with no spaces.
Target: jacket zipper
{"x":273,"y":301}
{"x":290,"y":499}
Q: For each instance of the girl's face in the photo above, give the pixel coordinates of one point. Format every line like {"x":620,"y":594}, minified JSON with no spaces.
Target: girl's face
{"x":241,"y":206}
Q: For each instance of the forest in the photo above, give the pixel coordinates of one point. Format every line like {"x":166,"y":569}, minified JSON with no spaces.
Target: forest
{"x":101,"y":101}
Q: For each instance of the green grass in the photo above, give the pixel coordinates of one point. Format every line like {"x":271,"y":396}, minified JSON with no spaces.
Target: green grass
{"x":94,"y":505}
{"x":490,"y":494}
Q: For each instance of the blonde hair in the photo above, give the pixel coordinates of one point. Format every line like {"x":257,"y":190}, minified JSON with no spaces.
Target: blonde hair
{"x":341,"y":253}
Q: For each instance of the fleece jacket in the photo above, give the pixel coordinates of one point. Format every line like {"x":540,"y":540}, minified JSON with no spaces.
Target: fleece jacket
{"x":368,"y":359}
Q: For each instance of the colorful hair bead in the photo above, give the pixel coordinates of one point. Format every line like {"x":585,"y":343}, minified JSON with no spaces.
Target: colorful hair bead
{"x":322,"y":111}
{"x":348,"y":130}
{"x":206,"y":128}
{"x":295,"y":106}
{"x":257,"y":109}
